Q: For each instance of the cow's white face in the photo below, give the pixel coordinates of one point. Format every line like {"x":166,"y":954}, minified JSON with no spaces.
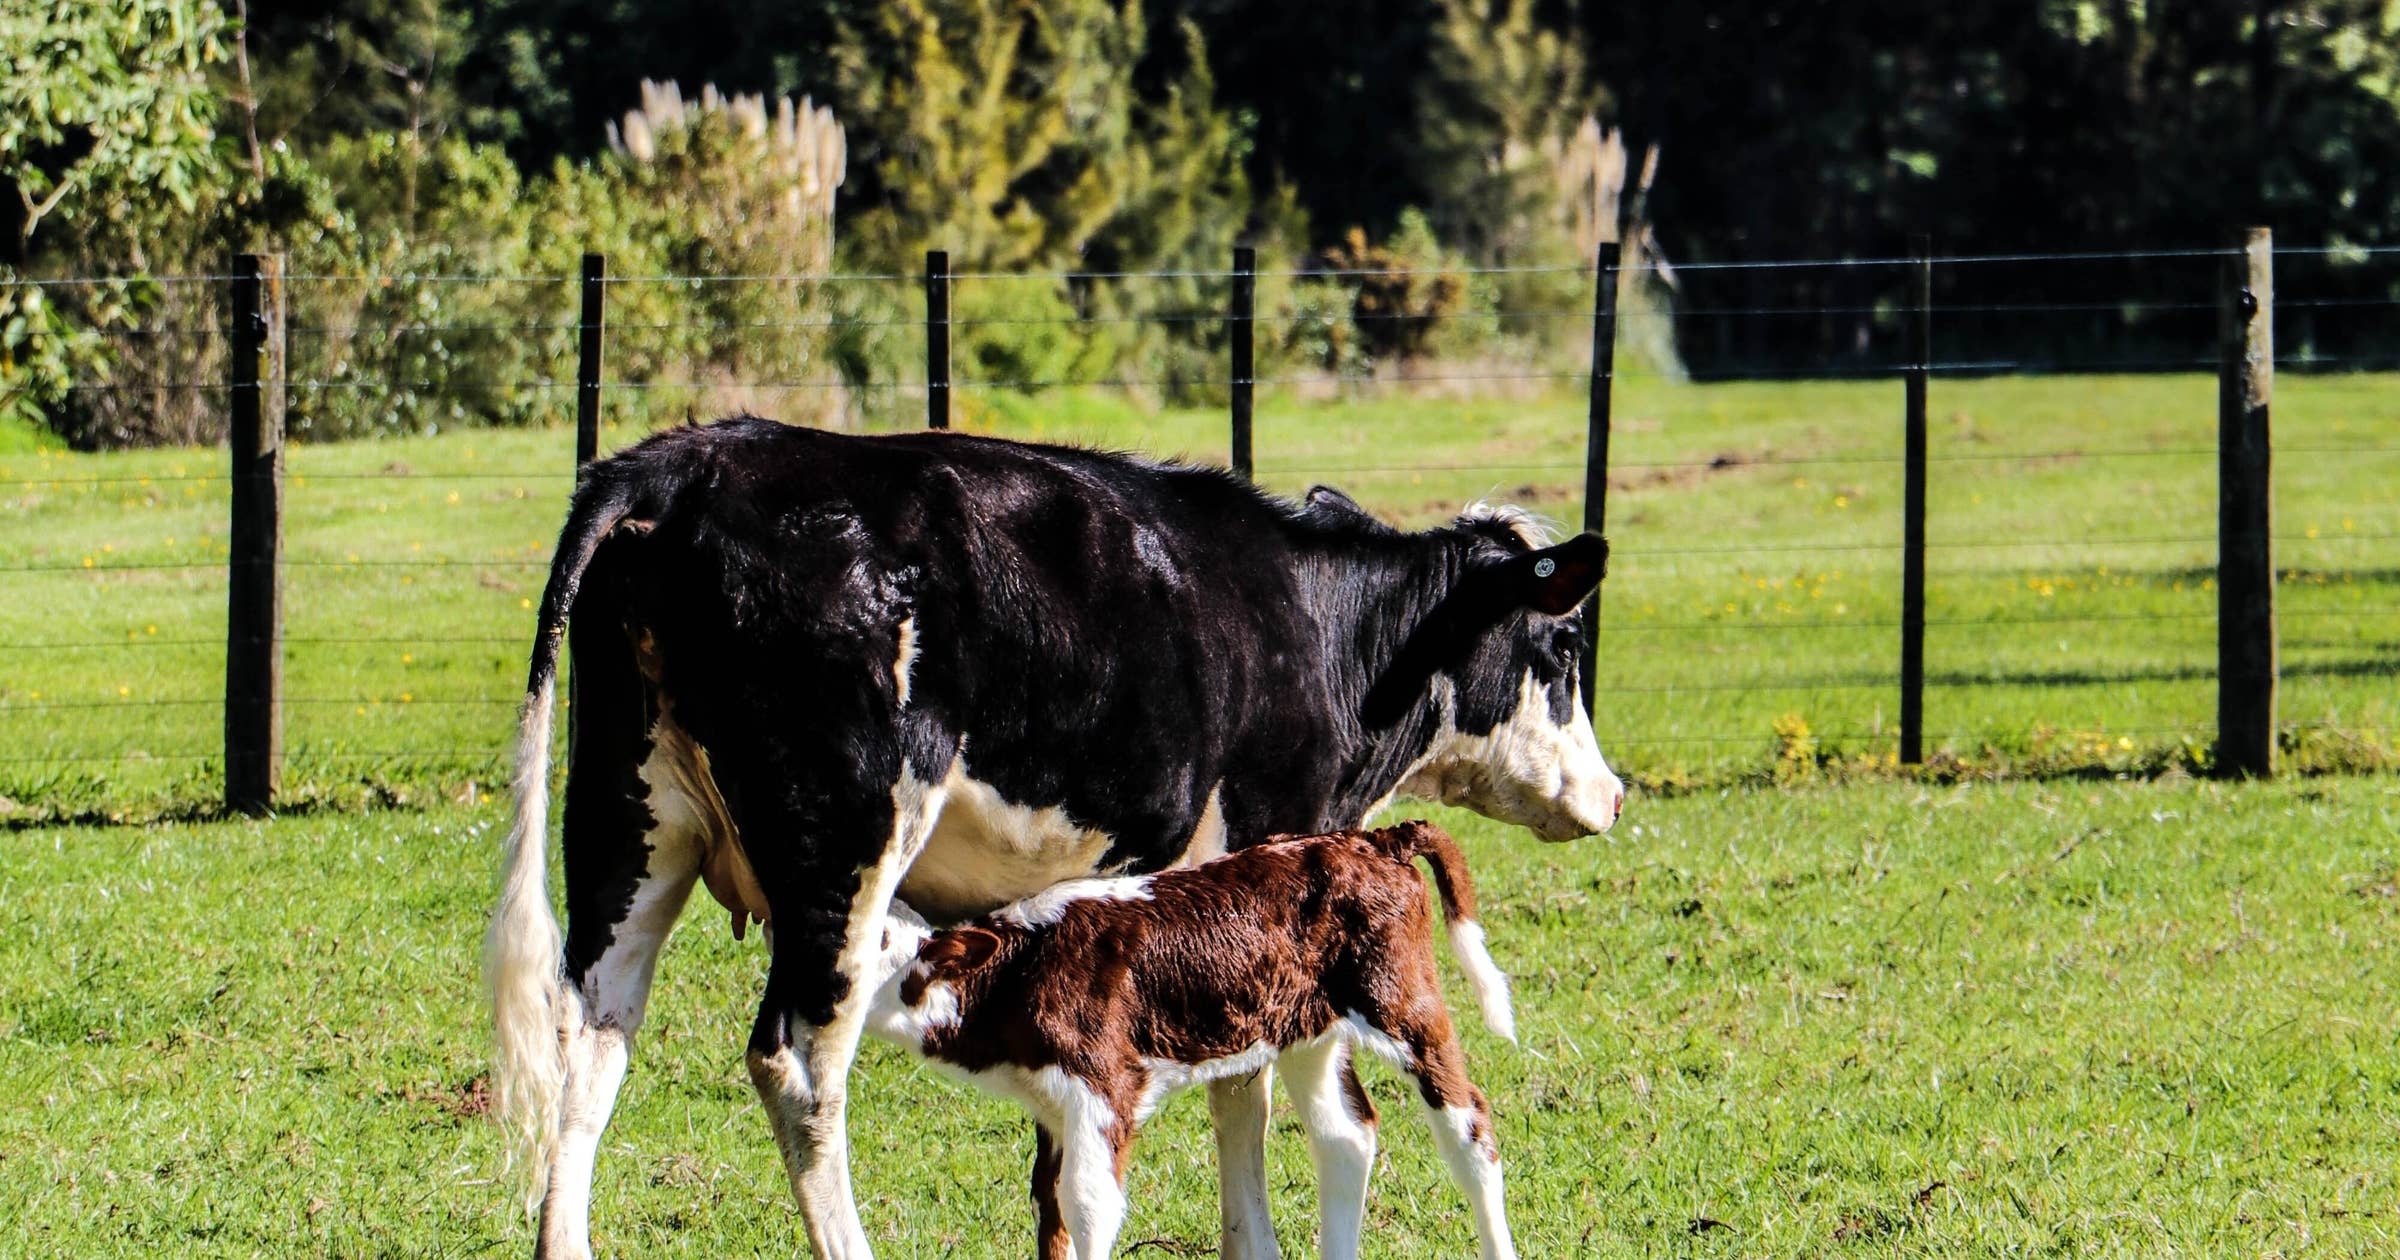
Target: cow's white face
{"x":1512,"y":740}
{"x":1530,"y":768}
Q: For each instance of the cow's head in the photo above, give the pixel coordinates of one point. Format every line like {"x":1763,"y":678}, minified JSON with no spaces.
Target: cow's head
{"x":1499,"y":661}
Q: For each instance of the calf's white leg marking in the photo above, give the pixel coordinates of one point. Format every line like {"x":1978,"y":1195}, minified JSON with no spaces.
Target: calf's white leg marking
{"x":1475,"y":1166}
{"x":1090,"y":1200}
{"x":1341,"y":1144}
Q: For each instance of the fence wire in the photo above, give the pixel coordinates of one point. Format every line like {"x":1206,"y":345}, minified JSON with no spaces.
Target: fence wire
{"x":2079,"y":628}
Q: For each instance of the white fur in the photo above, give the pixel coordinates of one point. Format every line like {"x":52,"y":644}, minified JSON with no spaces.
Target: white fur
{"x":986,"y":851}
{"x":595,"y":1060}
{"x":1475,"y":1166}
{"x":1528,"y":769}
{"x":1050,"y":905}
{"x":1207,"y":842}
{"x":596,"y":1040}
{"x":1490,"y":986}
{"x":1358,"y":1029}
{"x":521,"y":960}
{"x":1237,"y":1108}
{"x":805,"y":1086}
{"x":1340,"y":1144}
{"x":1169,"y":1077}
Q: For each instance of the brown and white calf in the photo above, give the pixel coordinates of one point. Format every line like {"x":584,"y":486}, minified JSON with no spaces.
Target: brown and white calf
{"x":1092,"y":1001}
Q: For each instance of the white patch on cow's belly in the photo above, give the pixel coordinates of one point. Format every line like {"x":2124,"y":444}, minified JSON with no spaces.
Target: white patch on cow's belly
{"x":1208,"y":835}
{"x":987,"y":852}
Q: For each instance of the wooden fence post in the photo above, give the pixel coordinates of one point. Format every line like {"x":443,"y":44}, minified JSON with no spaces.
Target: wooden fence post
{"x":1243,"y":310}
{"x":587,"y":359}
{"x":1595,"y":446}
{"x":254,"y":587}
{"x":937,"y":339}
{"x":1912,"y":530}
{"x":2246,"y":648}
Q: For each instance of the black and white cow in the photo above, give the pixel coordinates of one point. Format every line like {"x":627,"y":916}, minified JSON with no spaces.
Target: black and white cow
{"x":816,"y":671}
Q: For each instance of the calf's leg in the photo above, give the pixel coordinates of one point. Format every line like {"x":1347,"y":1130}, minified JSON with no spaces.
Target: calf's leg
{"x":1462,"y":1128}
{"x":1093,"y":1143}
{"x":1341,"y":1138}
{"x":1238,"y":1108}
{"x":1049,"y":1227}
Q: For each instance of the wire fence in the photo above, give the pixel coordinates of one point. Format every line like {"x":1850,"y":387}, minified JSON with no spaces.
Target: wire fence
{"x":1755,"y":612}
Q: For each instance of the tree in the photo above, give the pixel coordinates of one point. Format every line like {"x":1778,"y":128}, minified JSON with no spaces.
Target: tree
{"x":1502,"y":95}
{"x":103,"y":94}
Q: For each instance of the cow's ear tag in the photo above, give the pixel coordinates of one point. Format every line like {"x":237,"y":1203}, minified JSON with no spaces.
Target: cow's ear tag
{"x":1562,"y":575}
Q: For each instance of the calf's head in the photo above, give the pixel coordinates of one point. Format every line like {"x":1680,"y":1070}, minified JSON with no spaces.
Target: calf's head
{"x":1498,"y":660}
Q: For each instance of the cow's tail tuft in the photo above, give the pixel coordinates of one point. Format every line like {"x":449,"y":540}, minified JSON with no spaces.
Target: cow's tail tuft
{"x":523,"y":966}
{"x":1411,"y":840}
{"x":521,"y":962}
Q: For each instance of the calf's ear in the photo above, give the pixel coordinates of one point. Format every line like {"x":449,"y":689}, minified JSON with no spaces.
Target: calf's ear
{"x":958,"y":950}
{"x":1555,"y":579}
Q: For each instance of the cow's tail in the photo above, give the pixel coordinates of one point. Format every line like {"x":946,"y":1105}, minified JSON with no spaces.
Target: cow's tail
{"x":1411,"y":840}
{"x":523,"y":968}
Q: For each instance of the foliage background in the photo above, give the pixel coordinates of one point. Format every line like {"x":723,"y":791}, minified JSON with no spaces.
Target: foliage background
{"x":1068,"y":140}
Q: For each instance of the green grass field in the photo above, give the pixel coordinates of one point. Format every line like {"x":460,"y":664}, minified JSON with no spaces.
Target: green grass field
{"x":1756,"y":576}
{"x":1834,"y":1017}
{"x":2020,"y":1019}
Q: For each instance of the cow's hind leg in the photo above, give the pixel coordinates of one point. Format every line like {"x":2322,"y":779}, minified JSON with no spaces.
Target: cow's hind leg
{"x":1341,"y":1137}
{"x":1237,"y":1106}
{"x":828,"y":920}
{"x":631,"y":858}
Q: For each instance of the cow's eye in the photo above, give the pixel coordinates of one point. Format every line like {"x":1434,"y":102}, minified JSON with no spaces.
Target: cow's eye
{"x":1565,"y":642}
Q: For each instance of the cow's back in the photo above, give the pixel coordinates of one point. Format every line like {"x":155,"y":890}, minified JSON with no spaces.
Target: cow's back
{"x":1108,"y":641}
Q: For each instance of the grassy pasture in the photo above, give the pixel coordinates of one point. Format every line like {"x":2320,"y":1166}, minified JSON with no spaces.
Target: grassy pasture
{"x":1756,"y":574}
{"x":1877,"y":1019}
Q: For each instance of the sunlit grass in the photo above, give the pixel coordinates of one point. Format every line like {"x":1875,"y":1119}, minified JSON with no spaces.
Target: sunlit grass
{"x":1994,"y":1020}
{"x":1756,"y":573}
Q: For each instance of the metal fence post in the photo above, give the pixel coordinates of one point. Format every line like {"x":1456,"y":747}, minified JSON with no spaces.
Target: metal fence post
{"x":1595,"y":448}
{"x":2246,"y":647}
{"x":254,"y":587}
{"x":1239,"y":323}
{"x":587,"y":359}
{"x":1912,"y":531}
{"x":937,"y":339}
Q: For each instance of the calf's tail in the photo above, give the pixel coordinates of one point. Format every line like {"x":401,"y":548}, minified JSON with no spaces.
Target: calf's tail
{"x":1411,"y":840}
{"x":523,"y":968}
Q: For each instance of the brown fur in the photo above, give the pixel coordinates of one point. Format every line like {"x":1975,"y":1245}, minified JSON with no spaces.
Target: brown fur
{"x":1273,"y":945}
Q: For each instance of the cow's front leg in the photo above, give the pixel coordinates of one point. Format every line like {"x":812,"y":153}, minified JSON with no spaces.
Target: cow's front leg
{"x":1238,"y":1106}
{"x":827,"y":934}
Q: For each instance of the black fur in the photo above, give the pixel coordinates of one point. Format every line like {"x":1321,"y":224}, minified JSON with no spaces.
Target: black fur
{"x":1097,"y":632}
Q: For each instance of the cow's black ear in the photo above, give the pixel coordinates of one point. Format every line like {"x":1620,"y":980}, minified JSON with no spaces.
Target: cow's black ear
{"x":1554,"y":580}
